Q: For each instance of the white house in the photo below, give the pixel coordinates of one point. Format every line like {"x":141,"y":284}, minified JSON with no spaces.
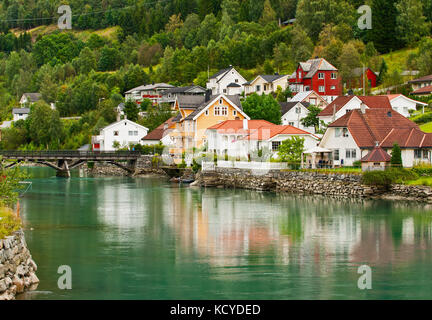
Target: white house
{"x":344,"y":104}
{"x":170,"y":96}
{"x":226,"y":81}
{"x":293,"y":113}
{"x":403,"y":104}
{"x":310,"y":97}
{"x":20,"y":113}
{"x":160,"y":134}
{"x":123,"y":133}
{"x":242,"y":138}
{"x":351,"y":137}
{"x":266,"y":84}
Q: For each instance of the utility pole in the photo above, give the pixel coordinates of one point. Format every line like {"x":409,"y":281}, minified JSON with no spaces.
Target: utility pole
{"x":364,"y":80}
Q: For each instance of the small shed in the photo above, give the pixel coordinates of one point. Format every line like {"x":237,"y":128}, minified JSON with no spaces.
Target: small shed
{"x":377,"y":159}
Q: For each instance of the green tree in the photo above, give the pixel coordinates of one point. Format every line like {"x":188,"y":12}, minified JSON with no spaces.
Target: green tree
{"x":110,"y":59}
{"x":411,"y":23}
{"x":383,"y":30}
{"x":291,"y":150}
{"x":86,"y":61}
{"x":156,"y":115}
{"x":268,"y":14}
{"x":424,"y":58}
{"x":131,"y":110}
{"x":348,"y":61}
{"x":312,"y":120}
{"x":263,"y":107}
{"x":396,"y":156}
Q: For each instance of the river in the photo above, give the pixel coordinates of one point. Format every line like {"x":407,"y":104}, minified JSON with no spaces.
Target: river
{"x":146,"y":238}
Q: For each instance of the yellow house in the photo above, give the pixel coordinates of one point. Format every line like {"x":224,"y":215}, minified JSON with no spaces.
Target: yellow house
{"x":196,"y":114}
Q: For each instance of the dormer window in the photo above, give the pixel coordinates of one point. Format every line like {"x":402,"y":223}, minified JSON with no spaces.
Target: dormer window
{"x":220,"y":101}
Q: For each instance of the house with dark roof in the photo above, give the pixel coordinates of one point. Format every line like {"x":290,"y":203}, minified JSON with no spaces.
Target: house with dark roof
{"x":266,"y":84}
{"x":342,"y":105}
{"x":169,"y":96}
{"x":354,"y":135}
{"x":370,"y":78}
{"x":293,"y":112}
{"x":423,"y":91}
{"x":151,"y":91}
{"x":20,"y":113}
{"x":226,"y":81}
{"x":310,"y":97}
{"x":420,"y":83}
{"x":29,"y":98}
{"x":317,"y":75}
{"x":196,"y":114}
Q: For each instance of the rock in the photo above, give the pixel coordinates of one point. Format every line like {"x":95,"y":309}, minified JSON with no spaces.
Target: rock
{"x":19,"y":284}
{"x":3,"y":286}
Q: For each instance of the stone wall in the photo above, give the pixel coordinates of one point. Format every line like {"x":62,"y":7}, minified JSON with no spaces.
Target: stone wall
{"x":329,"y":184}
{"x":144,"y":166}
{"x":17,"y":268}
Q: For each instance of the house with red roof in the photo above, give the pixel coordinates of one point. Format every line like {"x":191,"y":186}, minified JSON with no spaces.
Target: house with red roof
{"x":317,"y":75}
{"x":243,"y":138}
{"x":354,"y":135}
{"x":377,"y":159}
{"x":422,"y":82}
{"x":344,"y":104}
{"x":160,"y":134}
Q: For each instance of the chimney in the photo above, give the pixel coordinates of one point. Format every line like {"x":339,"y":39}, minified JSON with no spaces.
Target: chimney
{"x":334,"y":111}
{"x":208,"y":95}
{"x":362,"y":108}
{"x":245,"y":124}
{"x":376,"y":144}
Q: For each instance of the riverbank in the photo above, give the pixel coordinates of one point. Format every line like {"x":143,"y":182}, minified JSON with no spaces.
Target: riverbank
{"x":17,"y":268}
{"x":302,"y":182}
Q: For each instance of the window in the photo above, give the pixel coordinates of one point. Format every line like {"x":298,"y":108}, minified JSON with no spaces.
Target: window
{"x":298,"y":110}
{"x":313,"y":101}
{"x":224,"y":110}
{"x":338,"y":132}
{"x":321,"y":89}
{"x":116,"y":133}
{"x":417,"y":153}
{"x":300,"y":74}
{"x":348,"y":110}
{"x":258,"y":88}
{"x":307,"y":88}
{"x":236,"y":80}
{"x":350,"y":153}
{"x":334,"y":75}
{"x":336,"y":154}
{"x":216,"y":110}
{"x":135,"y":133}
{"x":425,"y":154}
{"x":220,"y":101}
{"x":265,"y":87}
{"x":234,"y":113}
{"x":276,"y":145}
{"x":291,"y":124}
{"x":345,"y":132}
{"x":224,"y":90}
{"x":332,"y":87}
{"x":207,"y":112}
{"x":131,"y":133}
{"x":320,"y":75}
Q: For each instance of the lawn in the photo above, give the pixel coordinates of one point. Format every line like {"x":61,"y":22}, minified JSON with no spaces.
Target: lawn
{"x":397,"y":59}
{"x":427,"y":127}
{"x":9,"y":222}
{"x":423,"y":181}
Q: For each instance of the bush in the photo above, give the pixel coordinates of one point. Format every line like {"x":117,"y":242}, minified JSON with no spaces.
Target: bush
{"x":9,"y":222}
{"x":90,"y":164}
{"x":195,"y":166}
{"x":357,"y":164}
{"x":422,"y":169}
{"x":149,"y":149}
{"x":423,"y":118}
{"x":388,"y":177}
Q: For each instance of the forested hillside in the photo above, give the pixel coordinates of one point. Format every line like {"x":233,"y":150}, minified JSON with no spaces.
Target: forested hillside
{"x":180,"y":42}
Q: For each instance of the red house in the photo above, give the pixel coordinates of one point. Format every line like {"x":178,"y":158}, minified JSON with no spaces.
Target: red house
{"x":357,"y":82}
{"x":318,"y":75}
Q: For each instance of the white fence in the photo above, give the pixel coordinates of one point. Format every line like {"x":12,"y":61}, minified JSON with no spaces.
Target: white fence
{"x":209,"y":166}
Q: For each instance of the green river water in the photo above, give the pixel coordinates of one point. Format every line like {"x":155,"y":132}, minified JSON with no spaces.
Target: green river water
{"x":146,"y":238}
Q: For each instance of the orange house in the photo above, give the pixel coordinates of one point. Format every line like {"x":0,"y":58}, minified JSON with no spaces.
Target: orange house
{"x":196,"y":114}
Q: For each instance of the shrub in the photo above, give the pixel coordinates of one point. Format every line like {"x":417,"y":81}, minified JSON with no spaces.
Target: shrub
{"x":9,"y":222}
{"x":422,"y":169}
{"x":90,"y":164}
{"x":149,"y":149}
{"x":388,"y":177}
{"x":195,"y":166}
{"x":357,"y":164}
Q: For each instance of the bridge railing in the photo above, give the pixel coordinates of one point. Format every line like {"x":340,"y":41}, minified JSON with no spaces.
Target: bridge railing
{"x":13,"y":154}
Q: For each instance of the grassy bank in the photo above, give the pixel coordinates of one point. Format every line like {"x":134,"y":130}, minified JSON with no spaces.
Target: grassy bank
{"x":9,"y":222}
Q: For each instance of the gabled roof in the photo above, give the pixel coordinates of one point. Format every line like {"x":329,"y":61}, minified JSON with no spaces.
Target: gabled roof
{"x":312,"y":66}
{"x":122,"y":121}
{"x":359,"y":71}
{"x":407,"y":138}
{"x":287,"y":106}
{"x":237,"y":125}
{"x":424,"y":90}
{"x":303,"y":95}
{"x":422,"y":79}
{"x":233,"y":99}
{"x":266,"y":133}
{"x":190,"y":101}
{"x":233,"y":85}
{"x":372,"y":102}
{"x":398,"y":95}
{"x":20,"y":111}
{"x":373,"y":125}
{"x":376,"y":155}
{"x":159,"y":132}
{"x":221,"y":72}
{"x":33,"y":96}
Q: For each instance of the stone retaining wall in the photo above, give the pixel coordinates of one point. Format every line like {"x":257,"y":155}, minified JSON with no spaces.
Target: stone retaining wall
{"x":329,"y":184}
{"x":17,"y":268}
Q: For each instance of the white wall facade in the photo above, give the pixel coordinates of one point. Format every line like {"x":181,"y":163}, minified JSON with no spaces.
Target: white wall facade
{"x":219,"y":85}
{"x":260,"y":86}
{"x":20,"y":116}
{"x":340,"y":140}
{"x":125,"y":132}
{"x":354,"y":103}
{"x":403,"y":105}
{"x":294,"y":116}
